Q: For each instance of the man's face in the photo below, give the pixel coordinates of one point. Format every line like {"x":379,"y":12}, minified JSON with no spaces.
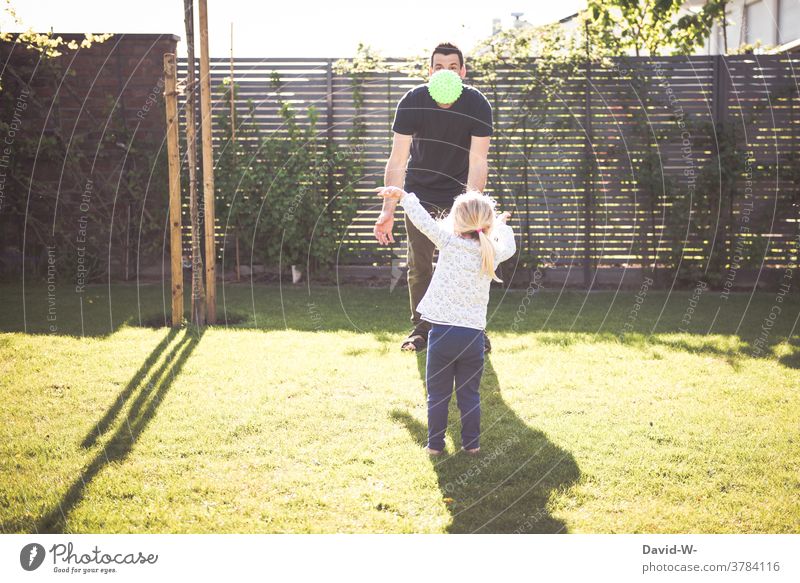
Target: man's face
{"x":441,"y":61}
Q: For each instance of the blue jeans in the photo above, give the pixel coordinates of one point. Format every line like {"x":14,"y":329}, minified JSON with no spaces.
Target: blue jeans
{"x":455,"y":356}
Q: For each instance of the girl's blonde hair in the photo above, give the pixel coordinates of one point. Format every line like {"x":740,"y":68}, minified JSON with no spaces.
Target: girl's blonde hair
{"x":473,"y":215}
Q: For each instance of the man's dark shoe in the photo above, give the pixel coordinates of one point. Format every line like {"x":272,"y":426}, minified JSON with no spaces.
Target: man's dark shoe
{"x":416,"y":341}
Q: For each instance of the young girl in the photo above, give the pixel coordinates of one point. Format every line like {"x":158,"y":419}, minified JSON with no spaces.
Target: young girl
{"x":472,"y":242}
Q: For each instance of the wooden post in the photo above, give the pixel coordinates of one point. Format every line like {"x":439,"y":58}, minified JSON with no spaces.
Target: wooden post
{"x":208,"y":168}
{"x":198,"y":293}
{"x":128,"y":244}
{"x":233,"y":145}
{"x":238,"y":264}
{"x":588,"y":182}
{"x":233,"y":97}
{"x":173,"y":156}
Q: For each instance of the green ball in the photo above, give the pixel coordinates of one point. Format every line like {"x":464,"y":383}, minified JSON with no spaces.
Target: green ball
{"x":445,"y":86}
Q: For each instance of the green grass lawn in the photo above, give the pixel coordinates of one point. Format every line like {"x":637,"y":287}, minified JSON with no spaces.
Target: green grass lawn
{"x":306,"y":417}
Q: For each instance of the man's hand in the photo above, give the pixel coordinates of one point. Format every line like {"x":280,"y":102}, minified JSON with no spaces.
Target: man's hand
{"x":385,"y":222}
{"x":503,"y":217}
{"x":383,"y":228}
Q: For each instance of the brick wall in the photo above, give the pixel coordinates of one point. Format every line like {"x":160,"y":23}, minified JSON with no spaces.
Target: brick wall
{"x":89,"y":117}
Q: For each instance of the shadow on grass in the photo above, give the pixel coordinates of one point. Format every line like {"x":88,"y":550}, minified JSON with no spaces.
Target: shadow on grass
{"x":792,"y":360}
{"x":506,"y":488}
{"x":103,"y":424}
{"x":734,"y":355}
{"x":142,"y":410}
{"x":550,"y":317}
{"x":102,"y":310}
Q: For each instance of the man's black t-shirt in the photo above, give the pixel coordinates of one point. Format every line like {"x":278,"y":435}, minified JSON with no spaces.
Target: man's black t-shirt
{"x":439,"y":163}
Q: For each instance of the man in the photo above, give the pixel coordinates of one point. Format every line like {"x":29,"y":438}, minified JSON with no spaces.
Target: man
{"x":438,"y":152}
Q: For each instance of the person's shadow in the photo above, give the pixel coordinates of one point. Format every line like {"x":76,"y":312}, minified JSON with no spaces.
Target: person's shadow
{"x":143,"y":398}
{"x":506,"y":488}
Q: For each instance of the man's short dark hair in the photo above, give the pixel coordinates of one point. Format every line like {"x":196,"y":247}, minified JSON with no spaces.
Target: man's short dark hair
{"x":448,"y":49}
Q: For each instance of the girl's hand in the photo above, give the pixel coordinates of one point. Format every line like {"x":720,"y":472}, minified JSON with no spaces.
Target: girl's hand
{"x":391,"y":192}
{"x":503,"y":217}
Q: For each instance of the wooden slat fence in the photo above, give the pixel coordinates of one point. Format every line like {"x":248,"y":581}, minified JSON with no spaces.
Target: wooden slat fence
{"x":620,"y":118}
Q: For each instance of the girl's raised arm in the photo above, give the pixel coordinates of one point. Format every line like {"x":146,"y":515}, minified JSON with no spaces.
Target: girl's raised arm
{"x":424,"y":221}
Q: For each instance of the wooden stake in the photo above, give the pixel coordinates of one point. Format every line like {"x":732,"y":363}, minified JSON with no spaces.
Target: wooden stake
{"x":173,"y":156}
{"x":233,"y":108}
{"x":198,"y":293}
{"x":238,"y":265}
{"x":233,"y":144}
{"x":208,"y":168}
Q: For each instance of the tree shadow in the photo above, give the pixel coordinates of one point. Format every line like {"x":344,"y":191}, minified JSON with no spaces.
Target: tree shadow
{"x":363,"y":309}
{"x":103,"y":424}
{"x":792,"y":360}
{"x":142,"y":409}
{"x":733,"y":355}
{"x":507,"y":487}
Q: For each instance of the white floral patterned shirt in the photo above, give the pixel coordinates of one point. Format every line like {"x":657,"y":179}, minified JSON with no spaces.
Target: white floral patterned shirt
{"x":458,"y":293}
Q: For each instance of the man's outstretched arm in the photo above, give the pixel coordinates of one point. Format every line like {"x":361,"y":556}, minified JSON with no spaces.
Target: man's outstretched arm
{"x":394,"y":175}
{"x":478,"y":163}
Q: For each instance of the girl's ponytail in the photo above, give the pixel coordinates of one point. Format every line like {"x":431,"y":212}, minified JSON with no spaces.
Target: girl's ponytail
{"x":487,"y":256}
{"x":473,"y":214}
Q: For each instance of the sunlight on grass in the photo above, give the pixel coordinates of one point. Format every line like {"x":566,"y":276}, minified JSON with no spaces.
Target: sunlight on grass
{"x":275,"y":429}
